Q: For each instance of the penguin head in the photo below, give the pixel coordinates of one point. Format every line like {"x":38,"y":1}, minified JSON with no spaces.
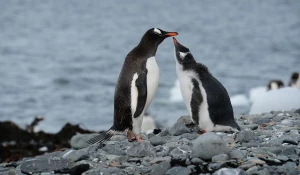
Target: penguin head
{"x":275,"y":84}
{"x":294,"y":79}
{"x":183,"y":56}
{"x":156,"y":36}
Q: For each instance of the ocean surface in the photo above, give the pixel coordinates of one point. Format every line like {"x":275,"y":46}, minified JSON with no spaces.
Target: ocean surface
{"x":61,"y":59}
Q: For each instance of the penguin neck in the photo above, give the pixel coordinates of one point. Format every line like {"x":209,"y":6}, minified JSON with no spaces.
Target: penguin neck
{"x":148,"y":46}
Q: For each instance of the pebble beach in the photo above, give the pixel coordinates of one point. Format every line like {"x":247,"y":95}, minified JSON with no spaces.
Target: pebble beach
{"x":268,"y":143}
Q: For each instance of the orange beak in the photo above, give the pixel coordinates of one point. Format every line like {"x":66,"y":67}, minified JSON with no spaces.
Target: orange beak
{"x":175,"y":41}
{"x":171,"y":34}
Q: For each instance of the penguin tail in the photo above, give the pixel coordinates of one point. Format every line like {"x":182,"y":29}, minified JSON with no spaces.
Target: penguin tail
{"x":102,"y":136}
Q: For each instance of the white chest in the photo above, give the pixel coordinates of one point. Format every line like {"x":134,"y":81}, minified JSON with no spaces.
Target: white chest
{"x":152,"y":79}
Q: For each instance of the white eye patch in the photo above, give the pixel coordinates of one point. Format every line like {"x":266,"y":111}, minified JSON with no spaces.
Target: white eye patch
{"x":182,"y":54}
{"x":156,"y":30}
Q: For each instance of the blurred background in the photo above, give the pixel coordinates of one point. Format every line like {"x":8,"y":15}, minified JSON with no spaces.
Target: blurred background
{"x":61,"y":59}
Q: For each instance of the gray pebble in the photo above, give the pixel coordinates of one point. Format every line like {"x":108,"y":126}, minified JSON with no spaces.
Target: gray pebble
{"x":161,"y":169}
{"x":179,"y":170}
{"x":178,"y":129}
{"x":157,"y":140}
{"x":220,"y":158}
{"x":197,"y":161}
{"x":208,"y":145}
{"x":230,"y":171}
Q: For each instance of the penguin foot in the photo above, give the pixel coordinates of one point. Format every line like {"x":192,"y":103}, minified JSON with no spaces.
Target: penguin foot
{"x":138,"y":138}
{"x":202,"y":131}
{"x":129,"y":136}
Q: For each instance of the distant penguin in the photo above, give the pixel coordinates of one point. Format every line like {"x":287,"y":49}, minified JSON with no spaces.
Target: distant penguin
{"x":274,"y":85}
{"x":206,"y":99}
{"x":295,"y":80}
{"x":136,"y":87}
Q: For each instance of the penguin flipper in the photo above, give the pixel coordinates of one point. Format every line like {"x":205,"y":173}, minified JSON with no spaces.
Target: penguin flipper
{"x":101,"y":137}
{"x":141,"y":85}
{"x":196,"y":101}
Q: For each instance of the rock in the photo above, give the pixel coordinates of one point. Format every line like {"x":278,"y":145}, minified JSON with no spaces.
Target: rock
{"x":44,"y":165}
{"x":171,"y":145}
{"x":160,"y":159}
{"x":161,"y":169}
{"x":190,"y":136}
{"x":164,"y":132}
{"x":114,"y":149}
{"x":288,"y":150}
{"x":178,"y":154}
{"x":262,"y":121}
{"x":246,"y":166}
{"x":263,"y":172}
{"x":220,"y":158}
{"x":289,"y":140}
{"x":157,"y":140}
{"x":76,"y":155}
{"x":192,"y":168}
{"x":289,"y":165}
{"x":236,"y":154}
{"x":197,"y":161}
{"x":245,"y":136}
{"x":179,"y":128}
{"x":141,"y":149}
{"x":105,"y":171}
{"x":215,"y":166}
{"x":118,"y":137}
{"x":230,"y":171}
{"x":256,"y":161}
{"x":186,"y":120}
{"x":208,"y":145}
{"x":179,"y":170}
{"x":278,"y":118}
{"x":79,"y":141}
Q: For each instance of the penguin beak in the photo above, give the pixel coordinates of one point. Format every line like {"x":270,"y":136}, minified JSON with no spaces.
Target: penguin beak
{"x":174,"y":40}
{"x":179,"y":47}
{"x":168,"y":34}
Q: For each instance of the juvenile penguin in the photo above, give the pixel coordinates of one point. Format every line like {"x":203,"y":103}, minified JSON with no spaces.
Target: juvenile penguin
{"x":274,"y":85}
{"x":136,"y":86}
{"x":206,"y":99}
{"x":295,"y":80}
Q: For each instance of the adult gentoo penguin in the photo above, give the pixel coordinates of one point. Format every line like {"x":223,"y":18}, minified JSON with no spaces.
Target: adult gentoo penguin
{"x":206,"y":99}
{"x":136,"y":86}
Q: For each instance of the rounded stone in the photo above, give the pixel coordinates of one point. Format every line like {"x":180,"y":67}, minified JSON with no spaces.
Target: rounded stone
{"x":208,"y":145}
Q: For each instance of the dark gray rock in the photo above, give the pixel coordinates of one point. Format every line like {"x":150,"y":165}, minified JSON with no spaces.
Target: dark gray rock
{"x":245,"y":136}
{"x":230,"y":171}
{"x":215,"y":166}
{"x":161,"y":169}
{"x":246,"y":166}
{"x":141,"y":149}
{"x":289,"y":140}
{"x":278,"y":118}
{"x":186,"y":120}
{"x":288,"y":150}
{"x":157,"y":140}
{"x":114,"y":149}
{"x":197,"y":161}
{"x":179,"y":170}
{"x":160,"y":159}
{"x":164,"y":132}
{"x":178,"y":154}
{"x":263,"y":120}
{"x":289,"y":165}
{"x":208,"y":145}
{"x":265,"y":171}
{"x":118,"y":137}
{"x":236,"y":154}
{"x":190,"y":136}
{"x":220,"y":158}
{"x":45,"y":165}
{"x":76,"y":155}
{"x":179,"y":128}
{"x":192,"y":168}
{"x":171,"y":145}
{"x":80,"y":140}
{"x":105,"y":171}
